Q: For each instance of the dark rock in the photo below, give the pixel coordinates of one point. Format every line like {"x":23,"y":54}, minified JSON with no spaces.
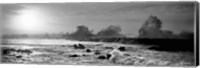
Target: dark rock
{"x":88,"y":50}
{"x":108,"y":56}
{"x":7,"y":51}
{"x":81,"y":46}
{"x":122,"y":48}
{"x":19,"y":56}
{"x":75,"y":46}
{"x":101,"y":57}
{"x":83,"y":55}
{"x":74,"y":55}
{"x":97,"y":52}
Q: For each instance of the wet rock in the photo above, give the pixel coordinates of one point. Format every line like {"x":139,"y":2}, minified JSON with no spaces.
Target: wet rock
{"x":81,"y":46}
{"x":122,"y":49}
{"x":74,"y":55}
{"x":88,"y":50}
{"x":108,"y":56}
{"x":75,"y":46}
{"x":7,"y":51}
{"x":101,"y":57}
{"x":19,"y":56}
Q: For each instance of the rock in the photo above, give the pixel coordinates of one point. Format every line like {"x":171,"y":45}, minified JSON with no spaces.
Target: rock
{"x":101,"y":57}
{"x":7,"y":51}
{"x":19,"y":56}
{"x":75,"y":46}
{"x":88,"y":50}
{"x":74,"y":55}
{"x":97,"y":52}
{"x":108,"y":56}
{"x":81,"y":46}
{"x":122,"y":48}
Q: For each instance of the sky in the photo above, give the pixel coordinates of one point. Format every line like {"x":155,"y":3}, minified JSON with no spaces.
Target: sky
{"x":37,"y":18}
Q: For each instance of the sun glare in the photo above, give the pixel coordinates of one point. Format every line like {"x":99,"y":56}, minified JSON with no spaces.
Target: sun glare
{"x":28,"y":20}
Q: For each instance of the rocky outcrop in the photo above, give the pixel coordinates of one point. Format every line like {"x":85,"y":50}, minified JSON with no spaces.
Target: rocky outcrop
{"x":88,"y":50}
{"x":79,"y":46}
{"x":74,"y":55}
{"x":122,"y":48}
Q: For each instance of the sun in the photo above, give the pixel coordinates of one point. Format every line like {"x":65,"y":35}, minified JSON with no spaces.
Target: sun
{"x":28,"y":20}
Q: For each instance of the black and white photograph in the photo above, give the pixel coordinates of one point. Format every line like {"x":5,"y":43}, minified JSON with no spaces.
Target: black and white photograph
{"x":99,"y":33}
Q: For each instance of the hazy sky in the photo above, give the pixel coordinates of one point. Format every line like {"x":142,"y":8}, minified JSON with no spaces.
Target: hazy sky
{"x":65,"y":17}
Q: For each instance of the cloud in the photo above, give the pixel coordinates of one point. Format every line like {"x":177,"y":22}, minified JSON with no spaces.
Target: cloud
{"x":161,"y":7}
{"x":11,"y":9}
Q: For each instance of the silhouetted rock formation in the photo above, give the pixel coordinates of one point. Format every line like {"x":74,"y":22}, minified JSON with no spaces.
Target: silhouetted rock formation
{"x":74,"y":55}
{"x":75,"y":46}
{"x":79,"y":46}
{"x":8,"y":51}
{"x":122,"y":48}
{"x":152,"y":29}
{"x":88,"y":50}
{"x":108,"y":56}
{"x":19,"y":56}
{"x":101,"y":57}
